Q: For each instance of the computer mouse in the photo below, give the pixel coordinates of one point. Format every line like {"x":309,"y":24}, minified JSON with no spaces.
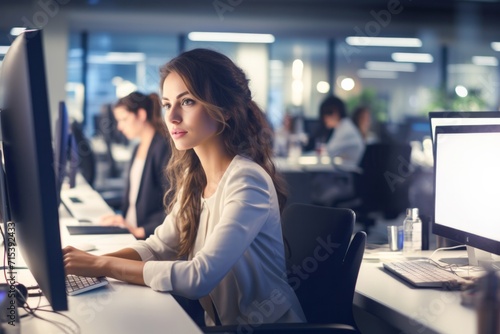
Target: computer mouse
{"x":85,"y":246}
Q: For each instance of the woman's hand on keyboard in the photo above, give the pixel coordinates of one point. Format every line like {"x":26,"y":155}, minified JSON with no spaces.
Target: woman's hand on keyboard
{"x":77,"y":262}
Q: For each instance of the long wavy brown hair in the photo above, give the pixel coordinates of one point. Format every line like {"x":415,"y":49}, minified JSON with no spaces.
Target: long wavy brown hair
{"x":222,"y":88}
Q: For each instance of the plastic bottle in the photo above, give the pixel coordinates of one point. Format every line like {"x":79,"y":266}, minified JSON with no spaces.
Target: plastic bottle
{"x":412,"y":226}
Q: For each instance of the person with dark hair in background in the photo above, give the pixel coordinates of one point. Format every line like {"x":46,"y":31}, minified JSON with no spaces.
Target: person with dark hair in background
{"x":345,"y":146}
{"x":221,"y":241}
{"x":139,"y":116}
{"x":361,"y":117}
{"x":345,"y":142}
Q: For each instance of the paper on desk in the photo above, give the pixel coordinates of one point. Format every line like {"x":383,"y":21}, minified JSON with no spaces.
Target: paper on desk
{"x":381,"y":253}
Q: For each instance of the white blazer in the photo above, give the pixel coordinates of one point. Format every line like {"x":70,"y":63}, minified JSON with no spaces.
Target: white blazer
{"x":238,"y":258}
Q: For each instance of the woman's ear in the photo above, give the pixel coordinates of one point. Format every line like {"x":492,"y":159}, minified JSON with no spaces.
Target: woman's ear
{"x":142,"y":114}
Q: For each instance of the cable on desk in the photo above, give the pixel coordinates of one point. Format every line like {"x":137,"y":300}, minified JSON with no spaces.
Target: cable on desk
{"x":452,"y":267}
{"x":31,"y":311}
{"x":64,"y":327}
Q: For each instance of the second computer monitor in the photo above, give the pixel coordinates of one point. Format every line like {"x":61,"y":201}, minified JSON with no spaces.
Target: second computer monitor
{"x":467,"y":187}
{"x":447,"y":118}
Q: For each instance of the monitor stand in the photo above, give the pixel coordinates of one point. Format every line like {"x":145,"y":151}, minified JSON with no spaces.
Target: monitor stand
{"x":481,"y":258}
{"x":475,"y":257}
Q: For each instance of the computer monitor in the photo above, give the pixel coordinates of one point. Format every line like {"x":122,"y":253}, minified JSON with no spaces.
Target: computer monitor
{"x":29,"y":164}
{"x":61,"y":145}
{"x":4,"y":201}
{"x":446,"y":118}
{"x":416,"y":128}
{"x":467,"y":188}
{"x":65,"y":148}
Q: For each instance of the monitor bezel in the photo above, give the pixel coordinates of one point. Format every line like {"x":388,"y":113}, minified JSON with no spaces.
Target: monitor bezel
{"x":459,"y":114}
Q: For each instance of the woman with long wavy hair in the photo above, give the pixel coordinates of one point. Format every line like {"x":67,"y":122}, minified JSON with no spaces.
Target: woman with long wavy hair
{"x":221,"y":242}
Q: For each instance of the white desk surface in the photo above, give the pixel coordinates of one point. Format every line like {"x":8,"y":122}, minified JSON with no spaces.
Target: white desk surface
{"x":411,"y":310}
{"x":117,"y":308}
{"x":313,"y":163}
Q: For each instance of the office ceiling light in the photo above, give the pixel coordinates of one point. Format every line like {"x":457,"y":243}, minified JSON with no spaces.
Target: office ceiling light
{"x":17,"y":31}
{"x":495,"y":46}
{"x":461,"y":91}
{"x":297,"y":69}
{"x":297,"y":92}
{"x":230,"y":37}
{"x":485,"y":61}
{"x":323,"y":87}
{"x":384,"y":41}
{"x":412,"y":57}
{"x":368,"y":74}
{"x":117,"y":58}
{"x":125,"y":56}
{"x":347,"y":84}
{"x":390,"y":66}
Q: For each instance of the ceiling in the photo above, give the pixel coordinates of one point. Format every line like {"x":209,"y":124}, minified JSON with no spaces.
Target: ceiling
{"x":301,"y":18}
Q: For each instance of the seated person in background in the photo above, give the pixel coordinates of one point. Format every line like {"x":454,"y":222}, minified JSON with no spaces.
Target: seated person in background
{"x":362,"y":118}
{"x":221,"y":241}
{"x":319,"y":137}
{"x":139,"y":116}
{"x":282,"y":136}
{"x":346,"y":141}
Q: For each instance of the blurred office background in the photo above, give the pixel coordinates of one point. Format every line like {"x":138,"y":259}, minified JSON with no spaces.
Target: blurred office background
{"x":100,"y":50}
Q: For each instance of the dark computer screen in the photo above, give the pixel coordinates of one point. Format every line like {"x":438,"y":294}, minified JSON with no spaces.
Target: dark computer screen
{"x":29,"y":164}
{"x":467,"y":187}
{"x":66,"y":160}
{"x":416,"y":128}
{"x":4,"y":201}
{"x":61,"y":145}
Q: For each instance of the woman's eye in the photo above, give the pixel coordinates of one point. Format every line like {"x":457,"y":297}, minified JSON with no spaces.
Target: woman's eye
{"x":166,"y":106}
{"x":187,"y":102}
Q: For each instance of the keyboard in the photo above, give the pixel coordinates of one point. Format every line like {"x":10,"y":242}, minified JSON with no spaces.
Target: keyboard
{"x":424,"y":274}
{"x":78,"y":284}
{"x":95,"y":229}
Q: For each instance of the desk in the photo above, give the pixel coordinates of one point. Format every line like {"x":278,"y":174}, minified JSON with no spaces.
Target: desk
{"x":117,"y":308}
{"x":313,"y":163}
{"x":411,"y":310}
{"x":300,"y":175}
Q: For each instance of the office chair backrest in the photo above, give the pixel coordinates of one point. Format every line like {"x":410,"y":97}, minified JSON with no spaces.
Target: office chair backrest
{"x":316,"y":242}
{"x":383,"y":185}
{"x":350,"y":271}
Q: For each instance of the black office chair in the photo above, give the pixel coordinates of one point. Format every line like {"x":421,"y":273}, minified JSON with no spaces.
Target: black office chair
{"x":350,"y":271}
{"x":326,"y":294}
{"x":383,"y":185}
{"x":318,"y":242}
